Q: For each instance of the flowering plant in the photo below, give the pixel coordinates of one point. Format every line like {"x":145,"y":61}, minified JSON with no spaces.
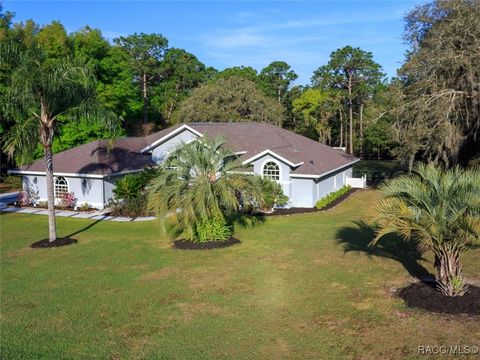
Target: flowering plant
{"x":68,"y":200}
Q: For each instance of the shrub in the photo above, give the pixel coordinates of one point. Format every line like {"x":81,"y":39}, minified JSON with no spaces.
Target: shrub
{"x":84,"y":207}
{"x":132,"y":186}
{"x":213,"y":229}
{"x":130,"y":199}
{"x":272,"y":194}
{"x":68,"y":200}
{"x":28,"y":197}
{"x":327,"y":200}
{"x":24,"y":198}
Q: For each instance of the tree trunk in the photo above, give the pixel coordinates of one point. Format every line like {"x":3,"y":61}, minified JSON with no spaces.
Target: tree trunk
{"x":52,"y":228}
{"x":361,"y":132}
{"x":144,"y":81}
{"x":341,"y":128}
{"x":450,"y":281}
{"x":350,"y":114}
{"x":411,"y":159}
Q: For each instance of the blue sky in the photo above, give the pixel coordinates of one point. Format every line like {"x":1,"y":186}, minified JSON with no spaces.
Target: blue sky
{"x":231,"y":33}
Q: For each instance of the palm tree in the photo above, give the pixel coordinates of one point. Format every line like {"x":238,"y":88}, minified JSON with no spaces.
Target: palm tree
{"x":439,"y":210}
{"x":42,"y":90}
{"x":202,"y":181}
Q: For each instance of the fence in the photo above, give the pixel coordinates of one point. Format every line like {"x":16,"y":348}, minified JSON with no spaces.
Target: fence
{"x":358,"y":183}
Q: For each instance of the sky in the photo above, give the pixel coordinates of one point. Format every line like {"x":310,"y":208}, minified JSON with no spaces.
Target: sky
{"x":250,"y":33}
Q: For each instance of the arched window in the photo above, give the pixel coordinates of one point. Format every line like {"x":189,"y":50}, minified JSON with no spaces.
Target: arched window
{"x":271,"y":171}
{"x":61,"y":187}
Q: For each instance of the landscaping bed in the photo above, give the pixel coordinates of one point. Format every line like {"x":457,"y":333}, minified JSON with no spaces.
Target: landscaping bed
{"x":299,"y":210}
{"x":45,"y":243}
{"x":425,"y":296}
{"x":188,"y":245}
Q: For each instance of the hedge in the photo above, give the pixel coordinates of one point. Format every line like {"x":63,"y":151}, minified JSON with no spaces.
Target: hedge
{"x":327,"y":200}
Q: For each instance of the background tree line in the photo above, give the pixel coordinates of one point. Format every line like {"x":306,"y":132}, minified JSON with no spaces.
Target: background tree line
{"x":430,"y":111}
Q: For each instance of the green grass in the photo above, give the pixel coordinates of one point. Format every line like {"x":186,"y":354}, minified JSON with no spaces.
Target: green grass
{"x":301,"y":286}
{"x":377,"y":169}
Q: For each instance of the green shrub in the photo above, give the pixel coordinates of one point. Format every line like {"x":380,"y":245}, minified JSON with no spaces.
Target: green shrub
{"x":84,"y":207}
{"x":327,"y":200}
{"x":212,"y":230}
{"x":130,"y":197}
{"x":272,"y":193}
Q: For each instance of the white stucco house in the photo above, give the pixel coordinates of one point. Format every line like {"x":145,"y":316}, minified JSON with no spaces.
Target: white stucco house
{"x":306,"y":169}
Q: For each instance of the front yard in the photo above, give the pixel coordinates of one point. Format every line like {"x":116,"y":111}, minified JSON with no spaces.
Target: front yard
{"x":300,"y":286}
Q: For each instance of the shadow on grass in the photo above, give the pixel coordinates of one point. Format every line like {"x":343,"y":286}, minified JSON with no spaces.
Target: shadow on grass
{"x":85,"y":228}
{"x":358,"y":236}
{"x":246,"y":221}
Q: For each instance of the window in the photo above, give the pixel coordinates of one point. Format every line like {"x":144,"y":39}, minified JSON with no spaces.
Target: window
{"x":61,"y":187}
{"x":271,"y":171}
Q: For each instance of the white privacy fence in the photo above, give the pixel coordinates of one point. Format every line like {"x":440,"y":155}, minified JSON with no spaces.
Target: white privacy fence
{"x":358,"y":183}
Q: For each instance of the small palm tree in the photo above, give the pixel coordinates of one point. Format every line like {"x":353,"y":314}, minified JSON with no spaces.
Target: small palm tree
{"x":40,"y":91}
{"x":440,"y":210}
{"x":202,"y":181}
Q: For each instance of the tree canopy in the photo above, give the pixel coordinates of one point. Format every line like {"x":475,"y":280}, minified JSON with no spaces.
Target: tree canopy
{"x":230,"y":99}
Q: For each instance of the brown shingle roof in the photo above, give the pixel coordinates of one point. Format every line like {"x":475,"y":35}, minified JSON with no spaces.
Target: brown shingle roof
{"x":99,"y":157}
{"x":254,"y":138}
{"x":102,"y":157}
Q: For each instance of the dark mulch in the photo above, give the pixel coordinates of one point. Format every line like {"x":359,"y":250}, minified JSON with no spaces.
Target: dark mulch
{"x":45,"y":243}
{"x":188,"y":245}
{"x":299,"y":210}
{"x":425,"y":296}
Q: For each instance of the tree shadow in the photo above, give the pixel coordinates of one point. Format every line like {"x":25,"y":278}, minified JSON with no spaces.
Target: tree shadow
{"x":357,"y":237}
{"x":246,"y":220}
{"x":85,"y":228}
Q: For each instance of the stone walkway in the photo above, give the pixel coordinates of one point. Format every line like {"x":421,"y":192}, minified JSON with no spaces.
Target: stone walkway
{"x":74,"y":214}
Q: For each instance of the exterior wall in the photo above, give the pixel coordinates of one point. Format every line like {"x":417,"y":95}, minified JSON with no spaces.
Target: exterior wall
{"x":285,"y":180}
{"x":109,"y":185}
{"x":306,"y":192}
{"x":332,"y":182}
{"x":160,"y":153}
{"x":303,"y":192}
{"x":86,"y":190}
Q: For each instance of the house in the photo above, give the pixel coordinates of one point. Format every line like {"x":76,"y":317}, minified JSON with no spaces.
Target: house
{"x":306,"y":169}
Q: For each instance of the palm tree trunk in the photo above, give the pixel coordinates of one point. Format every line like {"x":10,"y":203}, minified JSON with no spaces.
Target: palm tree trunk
{"x":449,"y":271}
{"x":52,"y":228}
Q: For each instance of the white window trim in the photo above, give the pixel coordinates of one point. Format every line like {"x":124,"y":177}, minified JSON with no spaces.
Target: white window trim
{"x":55,"y":186}
{"x":273,"y":154}
{"x":280,"y":170}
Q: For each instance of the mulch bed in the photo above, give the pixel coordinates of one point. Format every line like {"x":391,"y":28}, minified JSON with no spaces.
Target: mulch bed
{"x":45,"y":243}
{"x":188,"y":245}
{"x":299,"y":210}
{"x":425,"y":296}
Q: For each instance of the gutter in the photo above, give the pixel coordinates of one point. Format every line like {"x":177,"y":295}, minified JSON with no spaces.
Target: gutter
{"x":308,"y":176}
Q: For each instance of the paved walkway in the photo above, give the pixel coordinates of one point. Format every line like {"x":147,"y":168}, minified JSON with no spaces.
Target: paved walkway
{"x":74,"y":214}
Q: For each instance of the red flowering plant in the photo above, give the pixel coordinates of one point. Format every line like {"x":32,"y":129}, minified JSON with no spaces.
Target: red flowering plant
{"x":28,"y":197}
{"x":24,"y":198}
{"x":68,"y":200}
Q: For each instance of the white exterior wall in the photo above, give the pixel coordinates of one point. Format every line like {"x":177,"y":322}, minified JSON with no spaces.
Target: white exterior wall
{"x":285,"y":181}
{"x":86,"y":190}
{"x":303,"y":192}
{"x":160,"y":153}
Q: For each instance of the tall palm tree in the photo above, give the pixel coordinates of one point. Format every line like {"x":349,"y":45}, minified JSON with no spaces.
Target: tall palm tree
{"x":202,"y":180}
{"x":440,"y":210}
{"x":40,"y":91}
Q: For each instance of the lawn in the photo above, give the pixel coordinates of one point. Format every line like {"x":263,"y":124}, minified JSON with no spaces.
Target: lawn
{"x":300,"y":286}
{"x":377,"y":170}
